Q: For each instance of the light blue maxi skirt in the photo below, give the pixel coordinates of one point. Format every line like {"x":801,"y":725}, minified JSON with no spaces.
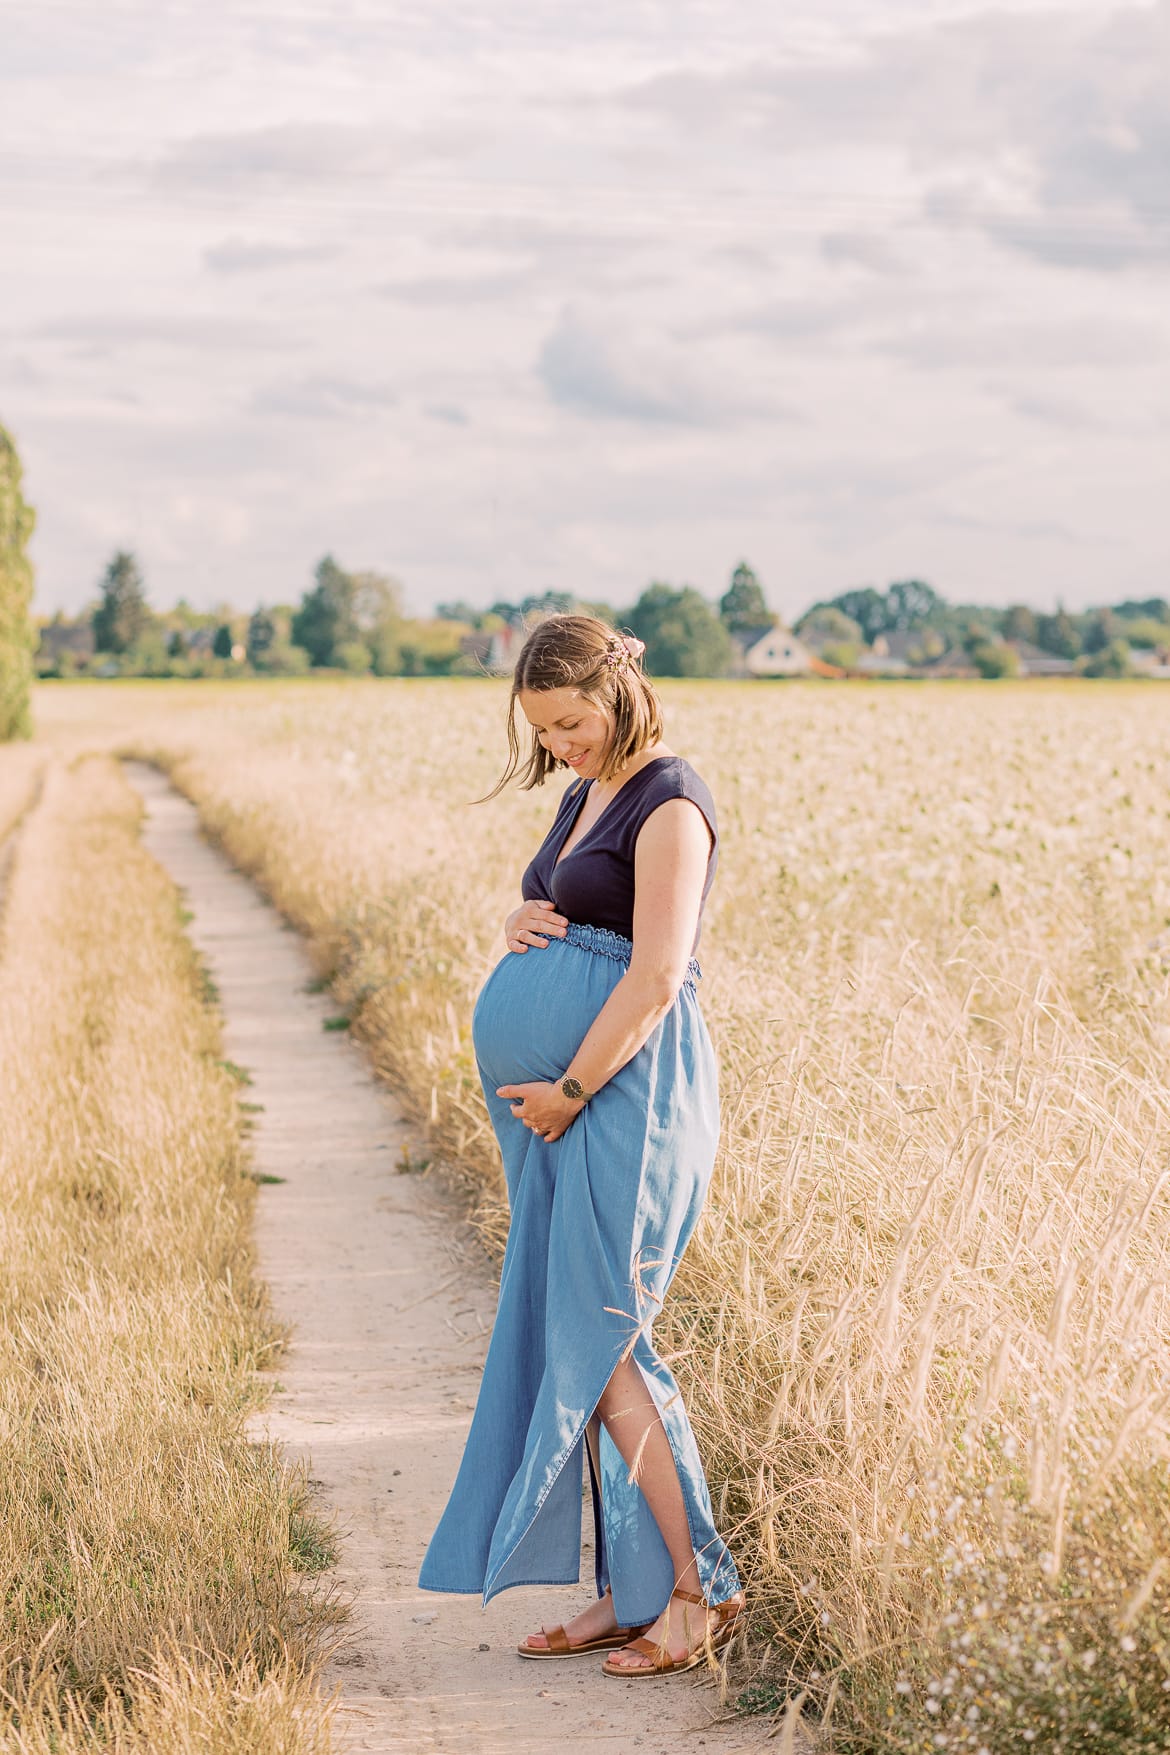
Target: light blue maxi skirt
{"x":599,"y":1221}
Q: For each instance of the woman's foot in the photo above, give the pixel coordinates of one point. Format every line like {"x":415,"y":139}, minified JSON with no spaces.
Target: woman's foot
{"x":596,"y":1622}
{"x":678,"y":1638}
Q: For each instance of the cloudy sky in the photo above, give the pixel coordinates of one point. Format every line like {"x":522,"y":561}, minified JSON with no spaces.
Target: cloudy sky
{"x":495,"y":295}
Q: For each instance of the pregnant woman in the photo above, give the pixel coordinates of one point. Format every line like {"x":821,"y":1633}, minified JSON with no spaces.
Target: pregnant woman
{"x":601,"y":1082}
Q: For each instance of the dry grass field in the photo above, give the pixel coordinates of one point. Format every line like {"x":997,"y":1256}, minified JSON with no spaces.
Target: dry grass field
{"x":152,"y":1560}
{"x":924,"y":1326}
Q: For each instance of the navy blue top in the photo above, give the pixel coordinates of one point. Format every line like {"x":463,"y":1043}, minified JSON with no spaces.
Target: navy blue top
{"x":594,"y":884}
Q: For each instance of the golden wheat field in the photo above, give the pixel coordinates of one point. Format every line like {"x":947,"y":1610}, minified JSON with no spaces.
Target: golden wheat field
{"x":148,"y":1553}
{"x":923,"y":1330}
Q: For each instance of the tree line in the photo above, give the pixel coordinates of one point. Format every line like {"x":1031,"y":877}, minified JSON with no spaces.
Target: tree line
{"x":354,"y":622}
{"x":1100,"y":641}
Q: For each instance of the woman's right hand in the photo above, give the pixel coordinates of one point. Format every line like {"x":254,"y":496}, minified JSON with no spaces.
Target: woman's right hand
{"x":533,"y":923}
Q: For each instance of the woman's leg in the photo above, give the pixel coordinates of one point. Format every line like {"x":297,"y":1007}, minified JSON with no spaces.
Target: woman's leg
{"x":630,"y":1415}
{"x":598,"y":1619}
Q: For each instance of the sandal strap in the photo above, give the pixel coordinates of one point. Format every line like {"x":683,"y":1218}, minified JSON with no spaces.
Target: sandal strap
{"x":688,"y":1596}
{"x":558,"y":1640}
{"x":649,"y":1648}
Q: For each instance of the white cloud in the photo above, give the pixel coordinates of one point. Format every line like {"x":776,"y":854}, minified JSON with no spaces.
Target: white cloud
{"x":584,"y":368}
{"x":249,"y":255}
{"x":288,"y":154}
{"x":325,"y":398}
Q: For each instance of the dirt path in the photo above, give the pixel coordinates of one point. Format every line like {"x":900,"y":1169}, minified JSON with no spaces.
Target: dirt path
{"x":391,"y":1304}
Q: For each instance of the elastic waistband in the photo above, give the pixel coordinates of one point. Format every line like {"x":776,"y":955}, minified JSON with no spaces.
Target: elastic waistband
{"x":616,"y":946}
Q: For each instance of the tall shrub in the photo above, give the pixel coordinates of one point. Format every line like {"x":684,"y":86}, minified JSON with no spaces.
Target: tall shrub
{"x":17,"y":635}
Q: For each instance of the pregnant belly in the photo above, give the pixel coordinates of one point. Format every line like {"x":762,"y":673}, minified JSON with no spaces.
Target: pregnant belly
{"x":535,"y":1008}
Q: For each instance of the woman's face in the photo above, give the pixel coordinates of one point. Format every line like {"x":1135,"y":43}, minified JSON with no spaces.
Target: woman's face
{"x":572,"y":728}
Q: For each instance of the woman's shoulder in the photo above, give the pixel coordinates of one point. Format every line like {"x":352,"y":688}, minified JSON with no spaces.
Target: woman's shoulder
{"x":669,"y":777}
{"x":674,"y":777}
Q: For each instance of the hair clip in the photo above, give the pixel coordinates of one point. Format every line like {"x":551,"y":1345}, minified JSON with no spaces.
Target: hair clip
{"x":621,"y":648}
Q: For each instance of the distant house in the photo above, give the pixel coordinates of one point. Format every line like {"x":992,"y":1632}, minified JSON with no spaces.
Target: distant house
{"x":1035,"y":662}
{"x":913,"y":648}
{"x":505,"y":648}
{"x":776,"y":652}
{"x":495,"y":652}
{"x":874,"y":663}
{"x":953,"y":662}
{"x":60,"y":637}
{"x":1150,"y":661}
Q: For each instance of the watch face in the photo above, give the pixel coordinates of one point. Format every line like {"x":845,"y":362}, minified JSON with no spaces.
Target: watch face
{"x":573,"y":1089}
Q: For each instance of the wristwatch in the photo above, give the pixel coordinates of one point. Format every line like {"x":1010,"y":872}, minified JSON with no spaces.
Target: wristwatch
{"x":575,"y":1091}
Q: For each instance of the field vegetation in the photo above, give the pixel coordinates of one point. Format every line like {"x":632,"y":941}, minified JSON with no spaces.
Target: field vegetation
{"x":922,"y":1330}
{"x":148,"y":1550}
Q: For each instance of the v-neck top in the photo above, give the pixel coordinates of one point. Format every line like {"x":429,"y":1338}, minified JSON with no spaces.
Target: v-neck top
{"x":593,"y":885}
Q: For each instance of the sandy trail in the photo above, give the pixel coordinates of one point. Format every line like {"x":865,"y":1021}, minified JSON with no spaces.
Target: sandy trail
{"x":390,"y":1303}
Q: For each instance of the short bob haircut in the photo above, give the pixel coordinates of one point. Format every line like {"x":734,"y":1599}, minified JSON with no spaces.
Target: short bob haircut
{"x":577,"y":652}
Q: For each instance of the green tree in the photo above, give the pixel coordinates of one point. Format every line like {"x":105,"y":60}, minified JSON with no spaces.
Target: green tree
{"x":683,"y":635}
{"x":548,"y":603}
{"x":843,"y":653}
{"x":911,"y":603}
{"x":1145,"y":631}
{"x":353,"y":656}
{"x":122,"y":616}
{"x":459,"y":610}
{"x":347,"y":609}
{"x":18,"y":637}
{"x":1057,"y":634}
{"x":324,"y":622}
{"x":1155,"y":609}
{"x":221,"y":646}
{"x":377,"y":615}
{"x":148,"y":656}
{"x":864,"y":606}
{"x":977,"y":631}
{"x":1019,"y":623}
{"x":261,"y":637}
{"x":285,"y":659}
{"x":1113,"y":661}
{"x":742,"y":608}
{"x":992,"y":658}
{"x":828,"y":623}
{"x":1099,"y":629}
{"x":431,"y":649}
{"x":507,"y":612}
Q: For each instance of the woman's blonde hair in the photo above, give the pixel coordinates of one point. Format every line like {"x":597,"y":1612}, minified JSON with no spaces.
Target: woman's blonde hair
{"x":582,"y":652}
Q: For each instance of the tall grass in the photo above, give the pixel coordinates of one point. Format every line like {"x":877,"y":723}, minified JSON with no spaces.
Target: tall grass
{"x":923,"y":1327}
{"x":150,"y":1597}
{"x":20,"y":767}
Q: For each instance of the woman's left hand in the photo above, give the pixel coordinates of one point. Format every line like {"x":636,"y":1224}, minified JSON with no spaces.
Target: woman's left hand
{"x":543,"y":1108}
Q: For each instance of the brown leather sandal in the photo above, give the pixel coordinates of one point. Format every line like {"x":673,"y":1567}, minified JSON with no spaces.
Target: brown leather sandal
{"x":560,"y":1646}
{"x":662,"y":1664}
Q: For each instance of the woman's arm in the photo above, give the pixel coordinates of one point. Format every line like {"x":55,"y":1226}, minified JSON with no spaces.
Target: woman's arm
{"x":670,"y":869}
